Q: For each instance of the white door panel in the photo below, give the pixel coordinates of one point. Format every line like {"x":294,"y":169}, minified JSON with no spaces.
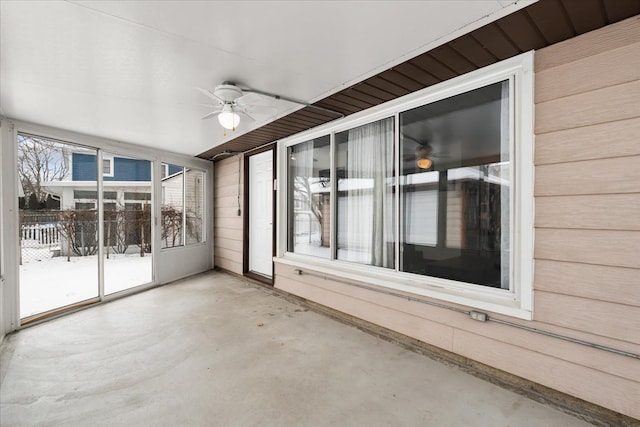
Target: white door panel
{"x":261,"y":213}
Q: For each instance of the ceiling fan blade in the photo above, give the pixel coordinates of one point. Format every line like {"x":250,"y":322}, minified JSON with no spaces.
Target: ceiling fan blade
{"x":211,"y":114}
{"x":257,"y":110}
{"x":245,"y":114}
{"x":215,"y":109}
{"x":253,"y":99}
{"x":210,"y":95}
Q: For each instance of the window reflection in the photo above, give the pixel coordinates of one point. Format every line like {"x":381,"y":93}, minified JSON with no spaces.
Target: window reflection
{"x":310,"y":197}
{"x":172,"y":205}
{"x":455,"y":188}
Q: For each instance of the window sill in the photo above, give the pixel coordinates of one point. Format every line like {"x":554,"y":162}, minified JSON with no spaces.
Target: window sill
{"x":187,"y":246}
{"x":473,"y":296}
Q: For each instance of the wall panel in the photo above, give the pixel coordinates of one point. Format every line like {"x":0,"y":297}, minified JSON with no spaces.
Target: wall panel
{"x":618,"y":394}
{"x":602,"y":176}
{"x":601,"y":141}
{"x":602,"y":247}
{"x":598,"y":282}
{"x":588,"y":74}
{"x":599,"y":106}
{"x":595,"y":212}
{"x":228,"y":225}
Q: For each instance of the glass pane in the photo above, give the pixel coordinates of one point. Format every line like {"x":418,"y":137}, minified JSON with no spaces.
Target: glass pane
{"x":365,"y":175}
{"x":127,"y":224}
{"x":172,"y":206}
{"x":455,"y":188}
{"x":309,"y":197}
{"x":194,"y":206}
{"x":58,"y":231}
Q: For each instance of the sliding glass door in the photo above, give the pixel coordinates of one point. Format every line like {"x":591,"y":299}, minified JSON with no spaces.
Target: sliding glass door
{"x":58,"y":225}
{"x":65,"y":190}
{"x":127,"y":182}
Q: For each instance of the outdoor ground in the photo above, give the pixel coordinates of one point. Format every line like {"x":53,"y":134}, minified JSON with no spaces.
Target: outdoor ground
{"x":48,"y":282}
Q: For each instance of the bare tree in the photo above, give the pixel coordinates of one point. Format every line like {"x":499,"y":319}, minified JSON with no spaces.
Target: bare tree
{"x":302,"y":189}
{"x":171,"y":226}
{"x":40,"y":160}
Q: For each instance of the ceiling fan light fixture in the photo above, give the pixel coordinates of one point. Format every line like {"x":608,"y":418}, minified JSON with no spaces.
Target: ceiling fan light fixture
{"x":422,"y":157}
{"x":424,"y":163}
{"x":228,"y":119}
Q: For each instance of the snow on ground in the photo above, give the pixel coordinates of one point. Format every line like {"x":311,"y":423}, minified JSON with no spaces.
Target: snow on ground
{"x":53,"y":282}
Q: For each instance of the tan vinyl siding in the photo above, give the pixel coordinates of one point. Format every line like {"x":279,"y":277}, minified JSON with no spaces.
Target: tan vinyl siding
{"x":602,"y":176}
{"x":228,"y":226}
{"x":609,"y":104}
{"x":587,"y":247}
{"x":581,"y":143}
{"x":586,"y":280}
{"x":590,"y":212}
{"x":578,"y":77}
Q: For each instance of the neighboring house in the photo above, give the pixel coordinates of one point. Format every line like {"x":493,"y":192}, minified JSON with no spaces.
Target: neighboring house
{"x":127,"y":182}
{"x":173,"y":198}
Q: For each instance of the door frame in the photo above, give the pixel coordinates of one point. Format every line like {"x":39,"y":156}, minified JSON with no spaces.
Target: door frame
{"x":247,"y":214}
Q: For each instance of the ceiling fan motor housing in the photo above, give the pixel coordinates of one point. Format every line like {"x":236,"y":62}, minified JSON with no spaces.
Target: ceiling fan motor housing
{"x":228,"y":92}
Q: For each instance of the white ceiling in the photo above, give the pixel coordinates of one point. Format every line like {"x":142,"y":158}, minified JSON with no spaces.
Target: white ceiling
{"x":127,"y":70}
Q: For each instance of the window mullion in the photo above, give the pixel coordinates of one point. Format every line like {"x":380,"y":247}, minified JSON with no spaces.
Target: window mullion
{"x":442,"y":208}
{"x":100,"y":210}
{"x":184,"y":206}
{"x":333,"y":198}
{"x":396,"y":194}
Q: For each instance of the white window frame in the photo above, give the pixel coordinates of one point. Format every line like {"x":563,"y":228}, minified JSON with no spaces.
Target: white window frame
{"x":203,"y":242}
{"x":109,"y":159}
{"x":516,"y":301}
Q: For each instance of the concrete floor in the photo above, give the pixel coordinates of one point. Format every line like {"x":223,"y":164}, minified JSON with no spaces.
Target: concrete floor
{"x":192,"y":353}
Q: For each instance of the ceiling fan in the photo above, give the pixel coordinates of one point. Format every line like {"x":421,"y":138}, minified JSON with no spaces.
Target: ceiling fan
{"x":424,"y":154}
{"x":232,"y":102}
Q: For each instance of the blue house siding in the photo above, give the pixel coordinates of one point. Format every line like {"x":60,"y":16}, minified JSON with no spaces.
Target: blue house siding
{"x":130,"y":170}
{"x":84,"y":169}
{"x":173,"y":169}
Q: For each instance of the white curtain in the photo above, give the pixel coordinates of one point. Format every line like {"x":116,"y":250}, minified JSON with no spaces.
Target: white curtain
{"x":302,"y":161}
{"x":369,"y":202}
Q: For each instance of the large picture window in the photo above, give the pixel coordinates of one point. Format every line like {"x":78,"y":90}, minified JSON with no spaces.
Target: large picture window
{"x":435,"y":188}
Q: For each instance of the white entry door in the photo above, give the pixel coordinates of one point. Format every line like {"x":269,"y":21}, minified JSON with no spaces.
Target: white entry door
{"x":261,"y":213}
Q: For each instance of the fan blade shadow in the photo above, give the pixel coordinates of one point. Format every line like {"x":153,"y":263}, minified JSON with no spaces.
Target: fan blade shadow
{"x":254,"y":99}
{"x":211,"y":114}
